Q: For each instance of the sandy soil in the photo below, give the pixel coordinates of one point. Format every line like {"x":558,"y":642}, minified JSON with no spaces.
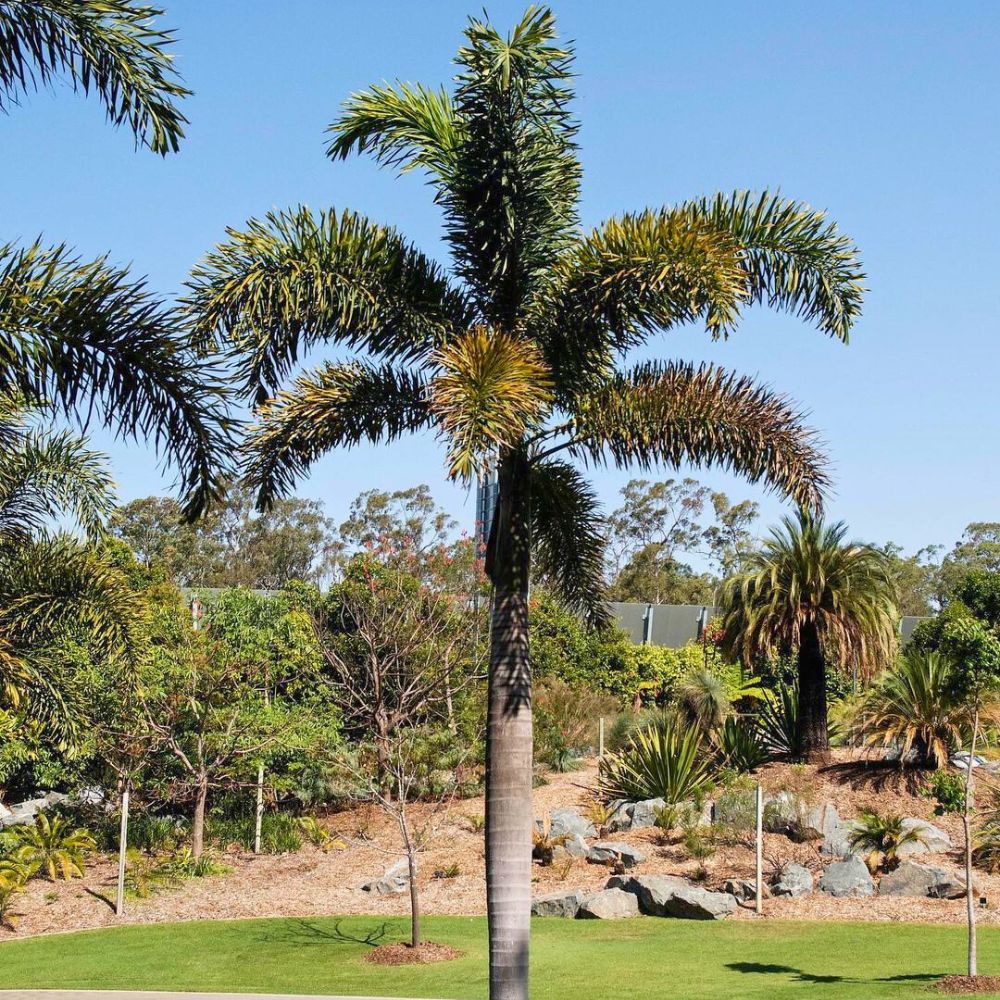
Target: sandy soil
{"x":313,"y":882}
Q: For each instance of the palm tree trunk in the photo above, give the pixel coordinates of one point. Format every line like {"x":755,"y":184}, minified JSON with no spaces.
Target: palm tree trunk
{"x":813,"y":729}
{"x":509,"y":815}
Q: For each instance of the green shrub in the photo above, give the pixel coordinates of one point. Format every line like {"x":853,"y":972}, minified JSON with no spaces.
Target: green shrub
{"x":567,"y":720}
{"x":666,"y":760}
{"x":736,"y":811}
{"x":53,"y":847}
{"x":779,"y":722}
{"x":948,"y":791}
{"x":280,"y":833}
{"x":741,"y":745}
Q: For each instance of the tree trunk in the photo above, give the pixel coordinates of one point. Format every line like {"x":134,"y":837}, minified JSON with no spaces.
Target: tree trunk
{"x":509,"y":816}
{"x":122,"y":853}
{"x":813,"y":729}
{"x":198,"y":826}
{"x":970,"y":903}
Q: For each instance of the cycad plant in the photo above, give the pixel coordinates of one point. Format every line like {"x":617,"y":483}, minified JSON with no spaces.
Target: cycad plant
{"x":917,"y":708}
{"x":879,"y":838}
{"x":517,"y":358}
{"x":828,"y":600}
{"x":53,"y":846}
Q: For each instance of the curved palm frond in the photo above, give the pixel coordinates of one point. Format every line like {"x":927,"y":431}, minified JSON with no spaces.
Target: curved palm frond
{"x":675,"y":413}
{"x":74,"y":332}
{"x":109,"y":47}
{"x":281,"y":286}
{"x":337,"y":405}
{"x":806,"y":572}
{"x":569,"y":534}
{"x":51,"y":474}
{"x":487,"y":391}
{"x":405,"y":126}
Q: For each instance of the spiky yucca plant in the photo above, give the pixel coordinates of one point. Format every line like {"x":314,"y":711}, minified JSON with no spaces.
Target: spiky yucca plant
{"x":828,"y":600}
{"x":517,"y":358}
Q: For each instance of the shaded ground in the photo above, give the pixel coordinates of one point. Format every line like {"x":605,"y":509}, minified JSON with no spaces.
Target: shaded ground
{"x":314,"y":883}
{"x":643,"y":959}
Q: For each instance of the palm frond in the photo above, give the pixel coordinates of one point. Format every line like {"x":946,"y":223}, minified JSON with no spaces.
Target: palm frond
{"x":336,"y":406}
{"x":78,"y":334}
{"x":405,"y":126}
{"x":108,"y":47}
{"x":281,"y":286}
{"x":488,"y":389}
{"x":568,"y":534}
{"x":678,"y":413}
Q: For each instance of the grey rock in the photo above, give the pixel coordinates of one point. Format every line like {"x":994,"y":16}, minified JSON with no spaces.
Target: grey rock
{"x":911,"y":879}
{"x":394,"y":881}
{"x":609,"y":904}
{"x":604,"y":851}
{"x":671,"y":896}
{"x":644,"y":813}
{"x":621,"y":816}
{"x":795,"y":881}
{"x":559,"y":904}
{"x":744,"y":889}
{"x":55,"y":798}
{"x":565,"y":822}
{"x":847,"y":878}
{"x":933,"y":840}
{"x":92,"y":796}
{"x":573,"y":847}
{"x":837,"y":841}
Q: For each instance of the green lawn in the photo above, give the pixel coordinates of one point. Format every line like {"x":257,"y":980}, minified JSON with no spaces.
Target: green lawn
{"x":572,"y":960}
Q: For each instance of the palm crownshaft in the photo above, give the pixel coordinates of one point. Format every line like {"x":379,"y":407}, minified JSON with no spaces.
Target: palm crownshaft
{"x":515,"y":359}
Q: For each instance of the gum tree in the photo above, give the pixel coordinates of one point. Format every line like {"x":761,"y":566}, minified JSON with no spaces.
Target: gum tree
{"x":516,"y":357}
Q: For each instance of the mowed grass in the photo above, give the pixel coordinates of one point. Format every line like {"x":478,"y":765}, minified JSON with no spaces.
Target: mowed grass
{"x":571,"y":960}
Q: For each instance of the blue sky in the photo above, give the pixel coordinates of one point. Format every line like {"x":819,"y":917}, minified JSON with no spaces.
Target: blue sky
{"x":884,"y":114}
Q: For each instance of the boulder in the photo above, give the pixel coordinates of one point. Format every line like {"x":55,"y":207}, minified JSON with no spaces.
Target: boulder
{"x":744,"y":889}
{"x":847,"y":878}
{"x":604,"y":851}
{"x":837,"y":840}
{"x":566,"y":822}
{"x":643,"y":814}
{"x":394,"y":880}
{"x":911,"y":879}
{"x":671,"y":896}
{"x":558,"y":904}
{"x":794,"y":881}
{"x":621,"y":816}
{"x":574,"y":846}
{"x":933,"y":840}
{"x":788,"y":814}
{"x":609,"y":904}
{"x":55,"y":798}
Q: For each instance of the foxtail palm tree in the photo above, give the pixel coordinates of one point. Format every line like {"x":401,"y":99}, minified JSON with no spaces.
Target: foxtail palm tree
{"x":516,"y":359}
{"x":811,"y":593}
{"x":80,"y":334}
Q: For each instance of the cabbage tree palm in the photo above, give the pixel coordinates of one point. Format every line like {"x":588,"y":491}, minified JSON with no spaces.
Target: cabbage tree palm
{"x":516,"y":356}
{"x":810,"y":593}
{"x":83,"y":335}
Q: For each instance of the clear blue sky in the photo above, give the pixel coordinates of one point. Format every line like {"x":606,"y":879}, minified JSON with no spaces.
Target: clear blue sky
{"x":884,"y":114}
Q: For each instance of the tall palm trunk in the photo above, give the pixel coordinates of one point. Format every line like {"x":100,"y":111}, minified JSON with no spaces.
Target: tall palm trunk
{"x":813,"y":728}
{"x":509,"y":814}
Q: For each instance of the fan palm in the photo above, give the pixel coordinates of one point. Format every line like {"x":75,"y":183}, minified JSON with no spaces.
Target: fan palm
{"x":810,"y":591}
{"x":516,"y":359}
{"x":75,"y":332}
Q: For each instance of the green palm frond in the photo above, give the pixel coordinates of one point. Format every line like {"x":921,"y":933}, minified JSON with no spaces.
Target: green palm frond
{"x":678,"y":413}
{"x":405,"y":126}
{"x":336,"y":406}
{"x":281,"y":286}
{"x":569,"y":535}
{"x":487,"y":391}
{"x":75,"y":333}
{"x":807,"y":571}
{"x":48,"y":474}
{"x":108,"y":47}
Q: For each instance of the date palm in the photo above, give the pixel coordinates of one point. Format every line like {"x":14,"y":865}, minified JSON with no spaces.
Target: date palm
{"x":810,"y":592}
{"x":83,"y":333}
{"x":516,"y":357}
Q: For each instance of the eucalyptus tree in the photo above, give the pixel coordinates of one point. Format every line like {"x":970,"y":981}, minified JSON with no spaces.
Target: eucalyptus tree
{"x":75,"y":332}
{"x":516,"y":358}
{"x":812,"y":593}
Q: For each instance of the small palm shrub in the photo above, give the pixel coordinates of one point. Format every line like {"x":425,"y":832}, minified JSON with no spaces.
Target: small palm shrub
{"x":666,"y":760}
{"x":543,"y":844}
{"x":53,"y":847}
{"x":741,"y":745}
{"x":879,"y":839}
{"x":319,"y":835}
{"x":779,"y":722}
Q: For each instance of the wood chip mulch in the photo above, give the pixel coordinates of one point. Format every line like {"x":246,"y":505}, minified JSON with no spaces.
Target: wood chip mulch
{"x":968,"y":984}
{"x":406,"y":954}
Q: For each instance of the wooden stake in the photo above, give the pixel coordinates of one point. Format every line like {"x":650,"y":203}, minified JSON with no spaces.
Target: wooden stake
{"x":760,"y":849}
{"x":122,"y":848}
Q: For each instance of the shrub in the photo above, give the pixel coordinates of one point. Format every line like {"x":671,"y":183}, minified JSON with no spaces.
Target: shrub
{"x":627,"y":724}
{"x":544,"y":844}
{"x":779,"y":722}
{"x":567,"y":719}
{"x":666,"y":760}
{"x":880,"y":838}
{"x":317,"y":834}
{"x":703,"y":700}
{"x":948,"y":791}
{"x":740,"y":744}
{"x":736,"y":811}
{"x":448,"y":871}
{"x":280,"y":833}
{"x":52,"y":846}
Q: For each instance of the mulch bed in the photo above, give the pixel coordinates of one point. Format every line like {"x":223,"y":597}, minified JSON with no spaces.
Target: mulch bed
{"x":406,"y":954}
{"x":969,"y":984}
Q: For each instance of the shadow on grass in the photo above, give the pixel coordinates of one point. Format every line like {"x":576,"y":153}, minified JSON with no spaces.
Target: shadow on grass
{"x":762,"y":969}
{"x":304,"y":931}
